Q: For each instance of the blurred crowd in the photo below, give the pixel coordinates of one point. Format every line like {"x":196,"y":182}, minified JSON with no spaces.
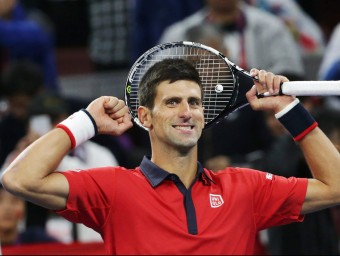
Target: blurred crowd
{"x":276,"y":35}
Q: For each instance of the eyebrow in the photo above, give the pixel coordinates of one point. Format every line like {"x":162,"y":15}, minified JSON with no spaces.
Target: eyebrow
{"x":180,"y":98}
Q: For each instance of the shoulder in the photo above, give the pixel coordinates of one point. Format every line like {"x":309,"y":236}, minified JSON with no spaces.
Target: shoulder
{"x":259,"y":184}
{"x":257,"y":17}
{"x":252,"y":177}
{"x":235,"y":171}
{"x":100,"y":174}
{"x":233,"y":174}
{"x":336,"y":33}
{"x":97,"y":172}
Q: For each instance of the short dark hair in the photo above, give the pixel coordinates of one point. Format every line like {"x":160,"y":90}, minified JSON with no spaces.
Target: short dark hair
{"x":49,"y":103}
{"x":166,"y":70}
{"x":21,"y":77}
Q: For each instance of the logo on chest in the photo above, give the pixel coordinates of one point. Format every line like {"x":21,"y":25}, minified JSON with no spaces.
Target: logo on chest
{"x":216,"y":200}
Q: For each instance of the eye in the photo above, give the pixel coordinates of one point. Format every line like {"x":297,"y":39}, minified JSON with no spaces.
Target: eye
{"x":195,"y":102}
{"x":172,"y":102}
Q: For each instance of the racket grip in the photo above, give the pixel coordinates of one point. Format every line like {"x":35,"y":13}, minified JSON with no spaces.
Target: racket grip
{"x":311,"y":88}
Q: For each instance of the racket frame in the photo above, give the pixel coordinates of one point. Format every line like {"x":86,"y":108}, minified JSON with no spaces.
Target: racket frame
{"x":228,"y":108}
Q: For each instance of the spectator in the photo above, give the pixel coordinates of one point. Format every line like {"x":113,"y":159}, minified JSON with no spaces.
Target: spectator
{"x":24,"y":38}
{"x":20,"y":82}
{"x":330,"y":64}
{"x":252,"y":37}
{"x":147,"y":28}
{"x":304,"y":29}
{"x":12,"y":226}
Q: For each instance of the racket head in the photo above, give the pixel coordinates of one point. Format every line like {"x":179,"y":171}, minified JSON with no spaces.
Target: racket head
{"x":216,"y":73}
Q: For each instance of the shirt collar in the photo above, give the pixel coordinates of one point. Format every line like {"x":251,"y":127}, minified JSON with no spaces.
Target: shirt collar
{"x":157,"y":175}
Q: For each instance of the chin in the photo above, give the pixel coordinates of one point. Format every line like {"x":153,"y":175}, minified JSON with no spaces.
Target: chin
{"x":187,"y":145}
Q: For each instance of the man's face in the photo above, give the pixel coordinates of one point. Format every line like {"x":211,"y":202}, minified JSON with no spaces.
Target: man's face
{"x":223,"y":6}
{"x":177,"y":117}
{"x":11,"y":210}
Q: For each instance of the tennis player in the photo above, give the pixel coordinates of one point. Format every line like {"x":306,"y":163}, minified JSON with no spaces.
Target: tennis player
{"x":171,"y":204}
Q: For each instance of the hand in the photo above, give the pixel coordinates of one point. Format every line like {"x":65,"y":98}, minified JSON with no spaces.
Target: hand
{"x":111,"y":115}
{"x":268,"y":82}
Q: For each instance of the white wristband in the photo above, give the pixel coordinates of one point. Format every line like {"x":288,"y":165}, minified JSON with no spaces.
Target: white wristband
{"x":80,"y":127}
{"x":287,"y":108}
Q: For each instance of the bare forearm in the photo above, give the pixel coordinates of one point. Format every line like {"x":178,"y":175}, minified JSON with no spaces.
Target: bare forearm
{"x":36,"y":162}
{"x":324,"y":162}
{"x":32,"y":174}
{"x":322,"y":157}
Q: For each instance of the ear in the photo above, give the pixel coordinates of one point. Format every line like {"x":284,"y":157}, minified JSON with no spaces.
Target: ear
{"x":203,"y":116}
{"x":144,"y":116}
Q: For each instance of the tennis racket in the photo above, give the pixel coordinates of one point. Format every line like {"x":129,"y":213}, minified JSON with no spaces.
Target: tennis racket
{"x":220,"y":78}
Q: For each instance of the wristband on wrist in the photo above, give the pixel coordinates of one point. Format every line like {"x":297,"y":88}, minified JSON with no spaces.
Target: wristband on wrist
{"x":296,"y":119}
{"x":80,"y":127}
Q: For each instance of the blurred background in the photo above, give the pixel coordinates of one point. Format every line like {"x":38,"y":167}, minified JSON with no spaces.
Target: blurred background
{"x":58,"y":55}
{"x":71,"y":23}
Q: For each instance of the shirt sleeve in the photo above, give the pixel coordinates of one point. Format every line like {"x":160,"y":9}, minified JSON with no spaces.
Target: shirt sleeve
{"x":277,"y":200}
{"x":90,"y":196}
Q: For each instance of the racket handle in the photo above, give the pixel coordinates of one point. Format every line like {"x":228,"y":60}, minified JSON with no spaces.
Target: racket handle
{"x":308,"y":88}
{"x":311,"y":88}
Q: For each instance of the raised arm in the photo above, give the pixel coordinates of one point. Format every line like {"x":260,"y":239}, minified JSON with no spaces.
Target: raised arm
{"x":321,"y":155}
{"x":31,"y":175}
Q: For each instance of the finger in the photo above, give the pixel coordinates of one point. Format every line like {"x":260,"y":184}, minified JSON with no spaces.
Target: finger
{"x":262,"y":76}
{"x":277,"y":84}
{"x":119,"y":106}
{"x":251,"y":96}
{"x":261,"y":88}
{"x":115,"y":106}
{"x":120,"y":113}
{"x":127,"y":120}
{"x":269,"y":81}
{"x":278,"y":81}
{"x":261,"y":85}
{"x":254,"y":72}
{"x":124,"y":124}
{"x":110,"y":102}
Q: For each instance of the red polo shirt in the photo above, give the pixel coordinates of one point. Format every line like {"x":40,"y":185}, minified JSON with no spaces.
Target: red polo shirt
{"x":149,"y":211}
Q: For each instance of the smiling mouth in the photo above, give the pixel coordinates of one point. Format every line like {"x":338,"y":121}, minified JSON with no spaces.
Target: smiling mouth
{"x":184,"y":127}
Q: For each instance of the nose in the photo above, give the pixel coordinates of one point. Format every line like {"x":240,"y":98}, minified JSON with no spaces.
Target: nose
{"x":185,"y":110}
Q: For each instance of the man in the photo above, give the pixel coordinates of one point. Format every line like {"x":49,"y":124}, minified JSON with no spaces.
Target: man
{"x":170,"y":204}
{"x":250,"y":35}
{"x":25,"y":36}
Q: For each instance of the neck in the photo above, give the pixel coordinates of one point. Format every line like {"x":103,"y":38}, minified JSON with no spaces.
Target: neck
{"x":223,"y":17}
{"x":184,"y":165}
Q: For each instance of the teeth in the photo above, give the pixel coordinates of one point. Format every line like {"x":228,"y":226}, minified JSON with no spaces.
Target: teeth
{"x":183,"y":127}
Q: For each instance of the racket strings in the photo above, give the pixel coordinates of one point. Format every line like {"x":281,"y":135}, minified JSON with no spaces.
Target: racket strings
{"x":215,"y":74}
{"x":218,"y":84}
